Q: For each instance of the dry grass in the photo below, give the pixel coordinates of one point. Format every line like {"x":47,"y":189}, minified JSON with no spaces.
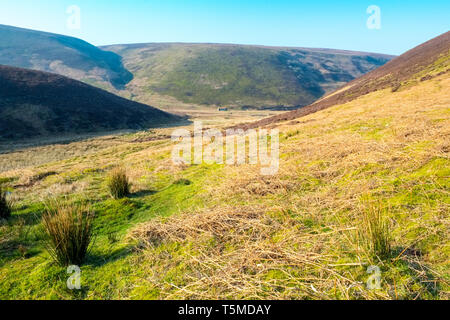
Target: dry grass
{"x":16,"y":156}
{"x":191,"y":226}
{"x":69,"y":229}
{"x":268,"y":248}
{"x":64,"y":189}
{"x":243,"y":253}
{"x":251,"y":183}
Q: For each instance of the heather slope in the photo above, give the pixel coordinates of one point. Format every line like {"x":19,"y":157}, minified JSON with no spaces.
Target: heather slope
{"x":424,"y":62}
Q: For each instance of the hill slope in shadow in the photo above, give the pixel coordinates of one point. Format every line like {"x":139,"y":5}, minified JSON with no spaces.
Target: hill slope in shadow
{"x":37,"y":104}
{"x":63,"y":55}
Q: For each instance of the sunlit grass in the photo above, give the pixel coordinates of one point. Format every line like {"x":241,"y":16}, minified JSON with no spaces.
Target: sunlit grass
{"x":226,"y":232}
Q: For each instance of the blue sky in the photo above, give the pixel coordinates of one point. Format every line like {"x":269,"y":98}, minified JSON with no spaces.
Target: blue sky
{"x":320,"y":23}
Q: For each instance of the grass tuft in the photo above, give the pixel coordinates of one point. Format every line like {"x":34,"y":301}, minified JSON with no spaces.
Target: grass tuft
{"x":118,"y":183}
{"x":5,"y":204}
{"x":375,"y":233}
{"x":69,"y":229}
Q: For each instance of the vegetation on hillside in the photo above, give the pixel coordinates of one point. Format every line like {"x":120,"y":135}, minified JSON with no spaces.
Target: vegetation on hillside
{"x":239,"y":76}
{"x":358,"y":210}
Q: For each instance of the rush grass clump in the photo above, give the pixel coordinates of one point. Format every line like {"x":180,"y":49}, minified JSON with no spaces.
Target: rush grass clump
{"x":69,"y":229}
{"x":375,"y":233}
{"x":118,"y":183}
{"x":5,"y":204}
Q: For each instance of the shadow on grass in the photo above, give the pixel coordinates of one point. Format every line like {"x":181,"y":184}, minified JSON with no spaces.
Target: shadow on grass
{"x":410,"y":260}
{"x":142,"y":193}
{"x":20,"y":237}
{"x":99,"y":259}
{"x":95,"y":260}
{"x":14,"y":249}
{"x":27,"y":215}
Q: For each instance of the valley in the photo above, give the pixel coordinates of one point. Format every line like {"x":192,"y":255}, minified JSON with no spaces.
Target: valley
{"x":363,"y":182}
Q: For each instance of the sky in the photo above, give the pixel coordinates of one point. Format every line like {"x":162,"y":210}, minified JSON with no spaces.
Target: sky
{"x":337,"y":24}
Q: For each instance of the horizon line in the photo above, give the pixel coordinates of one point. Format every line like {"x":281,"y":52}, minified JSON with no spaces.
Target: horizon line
{"x":343,"y":51}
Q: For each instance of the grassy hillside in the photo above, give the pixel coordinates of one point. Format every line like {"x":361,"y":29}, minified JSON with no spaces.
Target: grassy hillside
{"x":238,"y":76}
{"x":64,"y":55}
{"x":213,"y":231}
{"x":35,"y":104}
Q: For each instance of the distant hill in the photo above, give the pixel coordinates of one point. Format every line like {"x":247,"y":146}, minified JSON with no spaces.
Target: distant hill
{"x":422,"y":63}
{"x":172,"y":74}
{"x":60,"y":54}
{"x":37,"y":104}
{"x":238,"y":75}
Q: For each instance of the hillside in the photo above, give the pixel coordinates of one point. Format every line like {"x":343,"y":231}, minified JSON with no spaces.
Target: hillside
{"x":429,"y":60}
{"x":237,"y":75}
{"x":63,"y":55}
{"x":38,"y":104}
{"x":172,"y":74}
{"x":373,"y":167}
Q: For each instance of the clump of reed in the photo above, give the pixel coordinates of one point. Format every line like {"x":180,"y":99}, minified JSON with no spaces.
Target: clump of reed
{"x":69,"y":230}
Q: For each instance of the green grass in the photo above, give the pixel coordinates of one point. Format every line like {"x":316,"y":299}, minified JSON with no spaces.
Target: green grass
{"x":113,"y":219}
